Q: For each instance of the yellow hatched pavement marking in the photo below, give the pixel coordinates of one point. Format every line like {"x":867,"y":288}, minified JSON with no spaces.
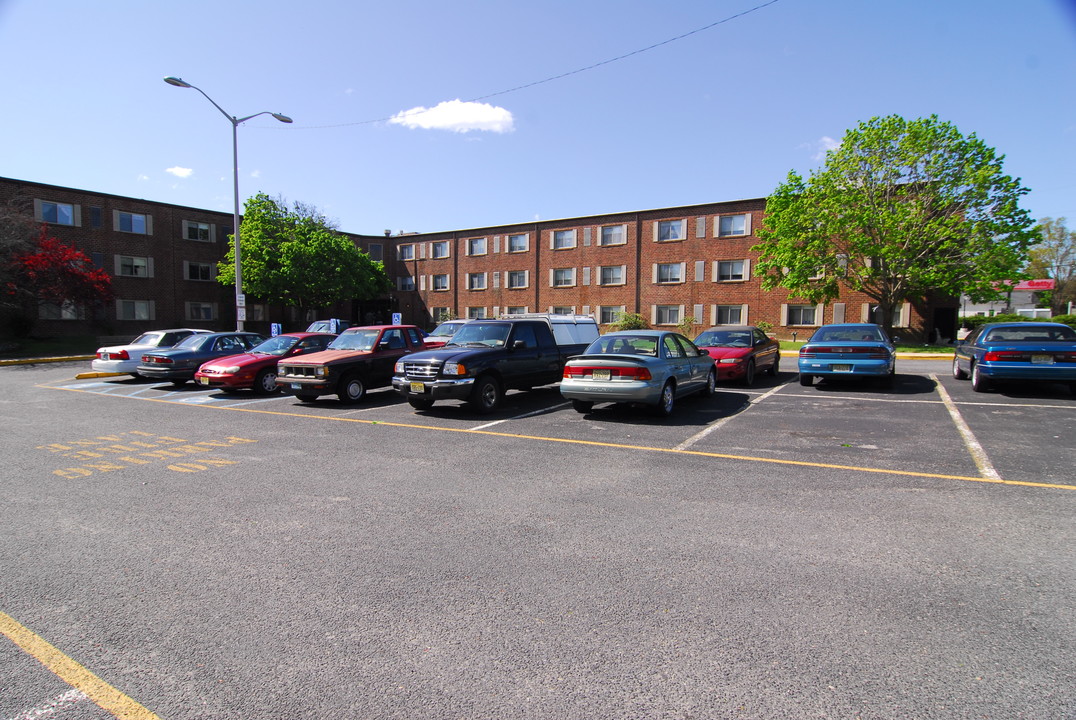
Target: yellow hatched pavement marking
{"x":74,"y":674}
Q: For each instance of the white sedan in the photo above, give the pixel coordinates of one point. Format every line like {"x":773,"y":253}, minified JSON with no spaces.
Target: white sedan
{"x":125,"y":358}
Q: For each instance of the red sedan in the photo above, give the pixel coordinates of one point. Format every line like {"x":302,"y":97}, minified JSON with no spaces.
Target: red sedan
{"x":740,"y":351}
{"x":256,"y":369}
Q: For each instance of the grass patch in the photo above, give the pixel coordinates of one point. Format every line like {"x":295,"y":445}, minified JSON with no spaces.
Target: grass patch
{"x":49,"y":347}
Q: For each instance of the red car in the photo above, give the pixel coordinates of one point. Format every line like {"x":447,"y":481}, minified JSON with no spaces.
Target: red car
{"x":740,"y":351}
{"x":256,"y":369}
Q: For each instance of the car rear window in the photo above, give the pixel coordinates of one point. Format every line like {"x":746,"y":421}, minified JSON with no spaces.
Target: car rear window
{"x":1062,"y":333}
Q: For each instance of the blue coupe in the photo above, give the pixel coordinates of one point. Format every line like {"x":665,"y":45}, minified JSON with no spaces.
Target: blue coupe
{"x":853,"y":350}
{"x":1040,"y":352}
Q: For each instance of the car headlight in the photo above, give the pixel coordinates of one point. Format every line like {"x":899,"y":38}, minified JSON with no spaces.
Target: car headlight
{"x":231,"y":370}
{"x":730,"y":361}
{"x":321,"y":371}
{"x":399,"y":367}
{"x":452,"y":368}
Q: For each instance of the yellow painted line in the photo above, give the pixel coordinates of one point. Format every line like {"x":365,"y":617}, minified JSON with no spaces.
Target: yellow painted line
{"x":101,"y":693}
{"x":594,"y":443}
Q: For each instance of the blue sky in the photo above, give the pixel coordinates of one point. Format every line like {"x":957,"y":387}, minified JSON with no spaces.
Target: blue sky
{"x":721,"y":114}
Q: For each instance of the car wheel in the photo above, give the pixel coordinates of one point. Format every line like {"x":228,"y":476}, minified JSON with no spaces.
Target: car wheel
{"x":979,"y":383}
{"x":352,"y":389}
{"x":420,"y":403}
{"x":486,"y":395}
{"x":582,"y":406}
{"x":307,"y":398}
{"x":665,"y":405}
{"x":776,"y":367}
{"x":265,"y":382}
{"x":806,"y":380}
{"x":749,"y":374}
{"x":957,"y":372}
{"x":711,"y":384}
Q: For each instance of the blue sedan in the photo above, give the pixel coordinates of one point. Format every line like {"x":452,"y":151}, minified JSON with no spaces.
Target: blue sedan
{"x":646,"y":367}
{"x":848,"y":350}
{"x":1040,"y":352}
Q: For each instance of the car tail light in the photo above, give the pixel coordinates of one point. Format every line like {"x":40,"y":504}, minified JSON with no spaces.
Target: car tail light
{"x":154,"y":360}
{"x":121,"y":355}
{"x":623,"y":373}
{"x":1004,"y":356}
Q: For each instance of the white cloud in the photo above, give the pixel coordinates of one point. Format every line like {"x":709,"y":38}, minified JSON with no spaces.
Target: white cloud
{"x":145,"y":178}
{"x":824,"y":145}
{"x":457,"y":116}
{"x":180,"y":172}
{"x":255,"y":174}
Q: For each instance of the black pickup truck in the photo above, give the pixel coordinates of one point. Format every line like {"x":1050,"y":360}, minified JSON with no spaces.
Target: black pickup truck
{"x":485,"y":358}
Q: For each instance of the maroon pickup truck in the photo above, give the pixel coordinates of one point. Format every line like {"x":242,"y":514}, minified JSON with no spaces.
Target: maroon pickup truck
{"x":359,"y":359}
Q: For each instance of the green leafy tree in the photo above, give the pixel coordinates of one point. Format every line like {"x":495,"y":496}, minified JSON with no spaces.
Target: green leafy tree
{"x":1054,"y":256}
{"x":629,"y":321}
{"x":899,"y":210}
{"x":294,"y":256}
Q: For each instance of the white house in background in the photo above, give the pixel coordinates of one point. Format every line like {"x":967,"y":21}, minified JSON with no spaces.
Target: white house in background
{"x":1022,"y":299}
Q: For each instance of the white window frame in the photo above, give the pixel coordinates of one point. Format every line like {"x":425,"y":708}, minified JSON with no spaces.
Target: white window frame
{"x":746,"y":271}
{"x":472,"y":277}
{"x":553,"y":277}
{"x":405,"y":283}
{"x":719,"y":225}
{"x":621,"y":269}
{"x":146,"y":263}
{"x":562,"y":239}
{"x":509,"y":274}
{"x":147,"y":222}
{"x":208,"y":228}
{"x":476,"y":312}
{"x":623,"y":233}
{"x":681,"y":269}
{"x":681,"y":233}
{"x":614,"y":311}
{"x":516,"y":310}
{"x":715,"y":315}
{"x":440,"y":244}
{"x":434,"y":282}
{"x":526,"y":243}
{"x":147,"y":308}
{"x":188,"y":264}
{"x":476,"y":246}
{"x":41,"y":211}
{"x":405,"y":252}
{"x":656,"y":312}
{"x":203,"y":309}
{"x":787,"y":310}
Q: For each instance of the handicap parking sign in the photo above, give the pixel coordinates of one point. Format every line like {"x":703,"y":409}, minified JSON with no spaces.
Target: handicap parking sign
{"x":397,"y":318}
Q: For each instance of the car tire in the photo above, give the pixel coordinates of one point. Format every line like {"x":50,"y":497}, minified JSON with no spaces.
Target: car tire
{"x":306,"y":398}
{"x":774,"y":369}
{"x":352,"y":389}
{"x":711,"y":384}
{"x":582,"y":406}
{"x":957,"y":372}
{"x":265,"y":382}
{"x":749,"y":374}
{"x":667,"y":402}
{"x":979,"y":383}
{"x":806,"y":380}
{"x":486,"y":395}
{"x":420,"y":403}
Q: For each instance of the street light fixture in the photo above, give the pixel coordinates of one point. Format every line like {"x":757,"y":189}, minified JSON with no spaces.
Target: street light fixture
{"x":240,"y":299}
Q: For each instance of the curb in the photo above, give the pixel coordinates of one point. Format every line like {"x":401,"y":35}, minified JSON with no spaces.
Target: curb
{"x":34,"y":361}
{"x":89,"y":375}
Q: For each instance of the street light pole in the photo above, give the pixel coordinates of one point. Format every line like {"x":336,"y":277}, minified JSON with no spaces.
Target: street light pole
{"x":240,"y":300}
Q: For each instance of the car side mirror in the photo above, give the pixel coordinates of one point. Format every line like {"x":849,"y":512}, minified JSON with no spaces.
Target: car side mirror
{"x":519,"y":345}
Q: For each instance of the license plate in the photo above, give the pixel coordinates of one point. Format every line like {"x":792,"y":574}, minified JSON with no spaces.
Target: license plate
{"x":417,"y":387}
{"x":296,"y":386}
{"x":203,"y":380}
{"x":1042,"y":359}
{"x":841,"y":368}
{"x":602,"y":374}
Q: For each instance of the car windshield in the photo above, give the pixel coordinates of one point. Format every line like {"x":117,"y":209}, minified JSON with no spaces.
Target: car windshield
{"x":358,"y":340}
{"x":477,"y":333}
{"x":624,"y":345}
{"x":193,"y":342}
{"x":276,"y":345}
{"x":1062,"y":333}
{"x":724,"y":338}
{"x":150,"y":338}
{"x":848,"y":334}
{"x":445,"y":329}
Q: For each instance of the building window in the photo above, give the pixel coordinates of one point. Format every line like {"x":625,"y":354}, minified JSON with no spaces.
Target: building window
{"x":728,"y":315}
{"x":517,"y":279}
{"x":405,"y":283}
{"x":666,"y":314}
{"x":134,"y":310}
{"x":669,"y":273}
{"x":731,"y":225}
{"x":563,"y":239}
{"x":197,"y":231}
{"x":515,"y":310}
{"x":376,"y":252}
{"x":610,"y":313}
{"x":476,"y":281}
{"x":562,"y":310}
{"x":127,"y":266}
{"x":65,"y":311}
{"x":199,"y":271}
{"x":95,"y":217}
{"x":257,"y":312}
{"x":613,"y":235}
{"x":670,"y":230}
{"x":440,"y":282}
{"x":801,"y":315}
{"x":405,"y":252}
{"x":563,"y":277}
{"x":476,"y":313}
{"x":611,"y":275}
{"x":518,"y":243}
{"x":439,"y":250}
{"x":133,"y":223}
{"x":56,"y":213}
{"x":201,"y":311}
{"x":476,"y":246}
{"x":729,"y":270}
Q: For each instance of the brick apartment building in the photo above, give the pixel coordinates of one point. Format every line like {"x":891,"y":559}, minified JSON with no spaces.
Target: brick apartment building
{"x":667,"y":265}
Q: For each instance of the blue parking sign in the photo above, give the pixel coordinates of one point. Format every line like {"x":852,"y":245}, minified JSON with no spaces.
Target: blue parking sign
{"x":274,"y":329}
{"x":397,"y":318}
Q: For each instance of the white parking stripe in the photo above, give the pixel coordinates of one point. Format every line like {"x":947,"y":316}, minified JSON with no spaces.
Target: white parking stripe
{"x":973,"y":446}
{"x":543,"y":411}
{"x":710,"y":428}
{"x":53,"y":706}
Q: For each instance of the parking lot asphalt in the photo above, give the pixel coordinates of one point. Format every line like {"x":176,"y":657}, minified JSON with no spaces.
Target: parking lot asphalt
{"x":771,"y":552}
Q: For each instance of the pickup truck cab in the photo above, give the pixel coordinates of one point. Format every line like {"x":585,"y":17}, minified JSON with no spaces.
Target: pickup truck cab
{"x":485,"y":358}
{"x":359,"y":359}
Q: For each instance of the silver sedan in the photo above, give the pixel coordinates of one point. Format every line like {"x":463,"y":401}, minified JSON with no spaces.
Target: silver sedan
{"x":647,"y":367}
